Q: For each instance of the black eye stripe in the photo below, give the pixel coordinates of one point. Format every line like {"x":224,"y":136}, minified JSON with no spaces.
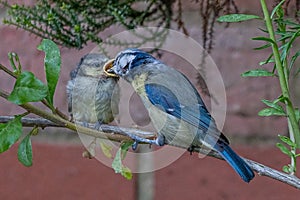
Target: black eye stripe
{"x":126,"y":66}
{"x":134,"y":58}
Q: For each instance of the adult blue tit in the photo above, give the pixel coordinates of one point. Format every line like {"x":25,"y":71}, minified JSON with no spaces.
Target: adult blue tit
{"x":175,"y":107}
{"x":93,"y":96}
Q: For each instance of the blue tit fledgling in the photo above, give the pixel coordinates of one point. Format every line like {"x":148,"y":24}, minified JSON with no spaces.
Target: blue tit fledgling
{"x":175,"y":107}
{"x":93,"y":96}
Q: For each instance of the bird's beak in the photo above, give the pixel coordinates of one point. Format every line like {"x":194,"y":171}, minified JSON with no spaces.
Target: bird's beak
{"x":109,"y":69}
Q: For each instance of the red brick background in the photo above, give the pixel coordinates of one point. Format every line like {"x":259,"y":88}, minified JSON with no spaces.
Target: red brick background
{"x":60,"y":172}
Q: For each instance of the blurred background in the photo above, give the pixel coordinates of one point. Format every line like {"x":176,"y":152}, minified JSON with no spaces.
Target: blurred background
{"x":60,"y":172}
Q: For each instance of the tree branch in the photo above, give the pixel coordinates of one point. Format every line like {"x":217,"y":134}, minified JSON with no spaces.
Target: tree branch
{"x":120,"y":134}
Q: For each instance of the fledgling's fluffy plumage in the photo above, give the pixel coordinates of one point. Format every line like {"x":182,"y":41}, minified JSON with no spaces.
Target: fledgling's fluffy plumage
{"x":175,"y":107}
{"x":93,"y":97}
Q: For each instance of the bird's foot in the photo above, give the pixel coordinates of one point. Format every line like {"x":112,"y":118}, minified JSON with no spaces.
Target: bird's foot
{"x":97,"y":125}
{"x":191,"y":149}
{"x":71,"y":119}
{"x":84,"y":124}
{"x":134,"y":145}
{"x":159,"y":141}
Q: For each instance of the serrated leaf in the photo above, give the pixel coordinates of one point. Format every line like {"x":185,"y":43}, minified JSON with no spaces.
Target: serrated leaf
{"x":284,"y":149}
{"x":106,"y":149}
{"x":10,"y":132}
{"x":28,"y":88}
{"x":273,"y":105}
{"x":266,"y":112}
{"x":257,"y":73}
{"x":287,"y":140}
{"x":236,"y":18}
{"x":52,"y":62}
{"x":25,"y":151}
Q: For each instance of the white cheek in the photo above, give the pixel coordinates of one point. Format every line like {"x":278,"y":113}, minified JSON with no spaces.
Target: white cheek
{"x":126,"y":59}
{"x":122,"y":63}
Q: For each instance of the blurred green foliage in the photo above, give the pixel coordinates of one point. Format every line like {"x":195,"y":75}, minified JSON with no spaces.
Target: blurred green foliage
{"x":73,"y":23}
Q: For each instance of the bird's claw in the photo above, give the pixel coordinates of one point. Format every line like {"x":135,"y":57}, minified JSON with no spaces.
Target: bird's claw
{"x":84,"y":124}
{"x":97,"y":125}
{"x":134,"y":145}
{"x":159,"y":141}
{"x":191,"y":149}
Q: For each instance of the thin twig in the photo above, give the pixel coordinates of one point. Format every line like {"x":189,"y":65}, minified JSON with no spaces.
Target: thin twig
{"x":2,"y":67}
{"x":123,"y":133}
{"x":67,"y":124}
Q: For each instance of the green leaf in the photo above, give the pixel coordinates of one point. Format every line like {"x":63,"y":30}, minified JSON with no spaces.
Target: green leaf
{"x":25,"y":151}
{"x":268,"y":60}
{"x":263,"y":30}
{"x":276,"y":8}
{"x":124,"y":148}
{"x":264,"y":39}
{"x":281,"y":99}
{"x":287,"y":47}
{"x":236,"y":17}
{"x":28,"y":88}
{"x":263,"y":47}
{"x":52,"y":64}
{"x":106,"y":149}
{"x":266,"y":112}
{"x":284,"y":149}
{"x":287,"y":140}
{"x":117,"y":162}
{"x":273,"y":105}
{"x":286,"y":169}
{"x":126,"y":172}
{"x":297,"y":113}
{"x":13,"y":57}
{"x":257,"y":73}
{"x":293,"y":59}
{"x":10,"y":132}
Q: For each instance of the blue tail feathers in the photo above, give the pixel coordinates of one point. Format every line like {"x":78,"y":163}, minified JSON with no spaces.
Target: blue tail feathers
{"x":237,"y":163}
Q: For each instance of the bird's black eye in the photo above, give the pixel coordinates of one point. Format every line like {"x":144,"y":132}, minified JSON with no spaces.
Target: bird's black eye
{"x":126,"y":66}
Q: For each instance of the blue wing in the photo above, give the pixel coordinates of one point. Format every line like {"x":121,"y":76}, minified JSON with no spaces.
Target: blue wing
{"x":165,"y":99}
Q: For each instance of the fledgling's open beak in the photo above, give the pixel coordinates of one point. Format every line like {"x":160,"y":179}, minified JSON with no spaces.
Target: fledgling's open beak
{"x":108,"y":68}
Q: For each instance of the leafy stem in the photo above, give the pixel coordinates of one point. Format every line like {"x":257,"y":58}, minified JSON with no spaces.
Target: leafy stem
{"x":294,"y":127}
{"x":287,"y":31}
